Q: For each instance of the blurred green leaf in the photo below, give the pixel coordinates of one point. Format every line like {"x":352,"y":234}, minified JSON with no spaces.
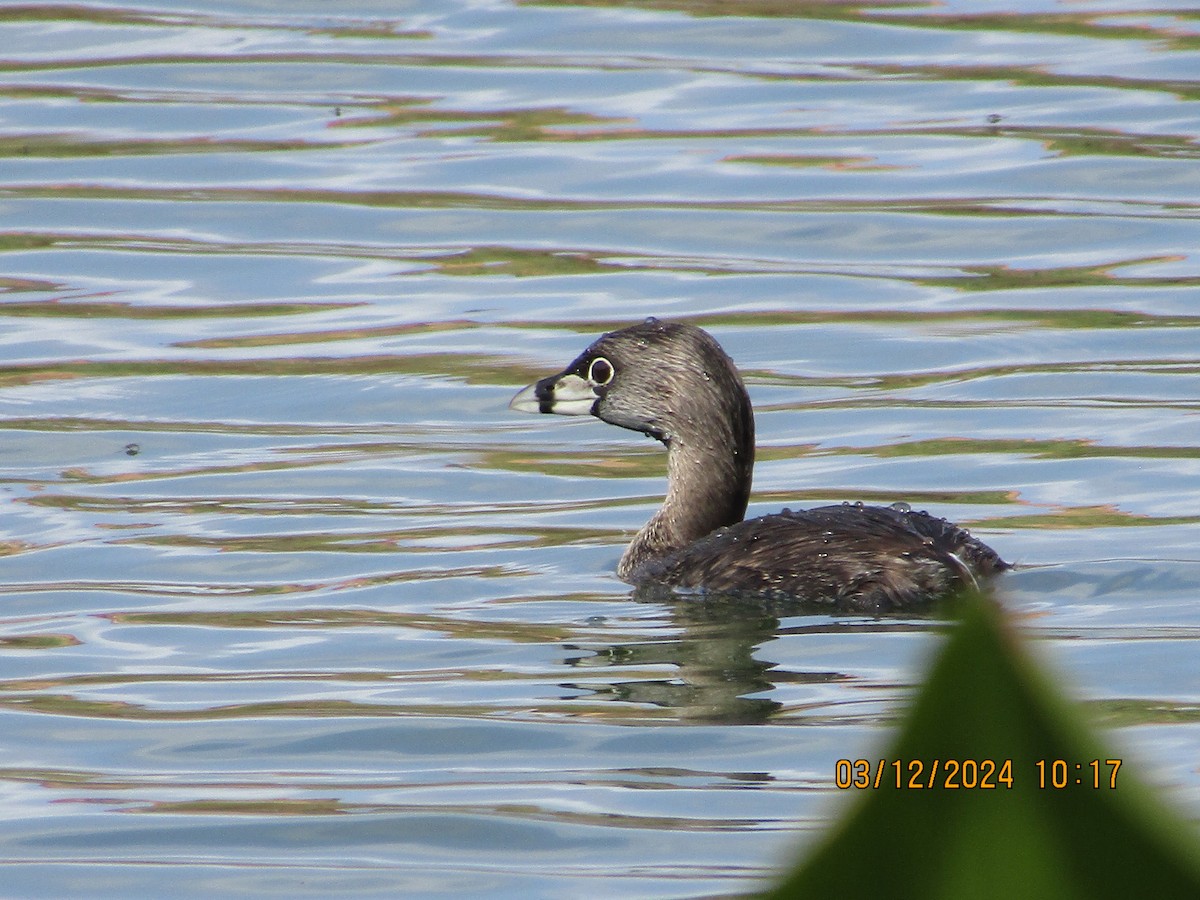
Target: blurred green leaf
{"x":985,"y":699}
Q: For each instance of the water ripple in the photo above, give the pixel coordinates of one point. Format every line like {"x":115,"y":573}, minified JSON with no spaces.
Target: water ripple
{"x":294,"y":604}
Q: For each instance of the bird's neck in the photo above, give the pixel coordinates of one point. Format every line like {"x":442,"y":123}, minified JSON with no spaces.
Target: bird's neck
{"x":709,"y":472}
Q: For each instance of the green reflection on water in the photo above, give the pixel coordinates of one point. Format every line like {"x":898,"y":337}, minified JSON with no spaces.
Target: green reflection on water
{"x":38,"y":641}
{"x":67,"y":146}
{"x":1101,"y":24}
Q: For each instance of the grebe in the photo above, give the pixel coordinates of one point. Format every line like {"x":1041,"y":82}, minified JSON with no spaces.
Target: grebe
{"x":674,"y":383}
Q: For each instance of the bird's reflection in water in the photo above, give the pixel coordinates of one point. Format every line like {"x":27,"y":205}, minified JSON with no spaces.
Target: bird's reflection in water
{"x":717,"y":675}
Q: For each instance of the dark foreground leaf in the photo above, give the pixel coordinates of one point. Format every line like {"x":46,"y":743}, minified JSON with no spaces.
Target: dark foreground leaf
{"x":986,"y":707}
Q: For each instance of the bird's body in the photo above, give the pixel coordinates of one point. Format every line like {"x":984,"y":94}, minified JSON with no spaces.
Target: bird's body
{"x":675,"y":383}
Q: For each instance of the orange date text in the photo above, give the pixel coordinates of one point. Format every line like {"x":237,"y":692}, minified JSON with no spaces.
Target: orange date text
{"x":922,"y":774}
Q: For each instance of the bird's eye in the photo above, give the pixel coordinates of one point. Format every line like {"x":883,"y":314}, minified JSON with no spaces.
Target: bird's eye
{"x":600,"y":371}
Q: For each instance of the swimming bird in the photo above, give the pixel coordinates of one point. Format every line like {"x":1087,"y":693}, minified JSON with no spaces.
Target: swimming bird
{"x":674,"y":382}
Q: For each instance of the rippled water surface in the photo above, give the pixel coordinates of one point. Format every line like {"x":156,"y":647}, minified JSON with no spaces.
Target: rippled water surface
{"x":292,"y":603}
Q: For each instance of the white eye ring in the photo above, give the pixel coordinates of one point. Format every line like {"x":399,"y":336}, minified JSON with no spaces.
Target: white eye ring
{"x":600,"y":371}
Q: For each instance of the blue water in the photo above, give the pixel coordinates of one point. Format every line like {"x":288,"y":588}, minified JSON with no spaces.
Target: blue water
{"x":293,"y":604}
